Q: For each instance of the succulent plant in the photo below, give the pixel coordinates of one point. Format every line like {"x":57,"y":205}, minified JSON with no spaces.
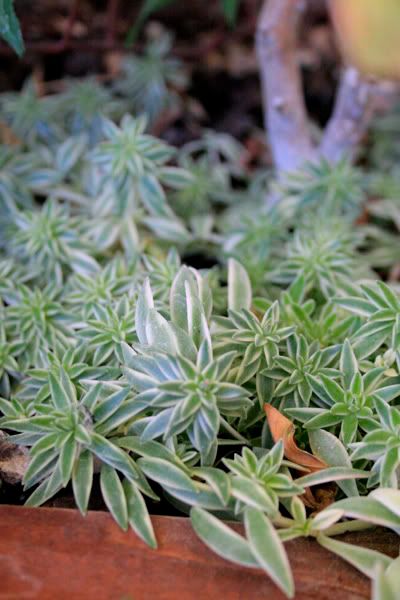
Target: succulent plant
{"x":149,"y":80}
{"x":262,"y":387}
{"x":32,"y":118}
{"x":52,"y":241}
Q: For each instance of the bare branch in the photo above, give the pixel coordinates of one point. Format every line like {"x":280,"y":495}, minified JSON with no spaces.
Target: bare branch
{"x":357,"y":97}
{"x":354,"y":108}
{"x":284,"y":108}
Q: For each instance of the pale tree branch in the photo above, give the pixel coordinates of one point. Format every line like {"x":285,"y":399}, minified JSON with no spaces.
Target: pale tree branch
{"x":354,"y":108}
{"x":284,"y":107}
{"x":283,"y":99}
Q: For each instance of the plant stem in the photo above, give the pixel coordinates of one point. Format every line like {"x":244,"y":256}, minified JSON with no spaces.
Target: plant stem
{"x":233,"y":432}
{"x":283,"y":522}
{"x":346,"y":526}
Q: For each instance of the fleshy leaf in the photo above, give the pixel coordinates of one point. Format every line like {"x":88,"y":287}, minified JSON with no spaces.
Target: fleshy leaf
{"x":222,"y":539}
{"x":268,"y":549}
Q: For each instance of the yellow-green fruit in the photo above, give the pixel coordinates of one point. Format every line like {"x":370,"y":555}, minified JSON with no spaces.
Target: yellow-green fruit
{"x":369,"y":34}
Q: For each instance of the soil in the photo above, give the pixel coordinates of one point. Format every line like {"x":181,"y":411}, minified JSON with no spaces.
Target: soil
{"x":225,"y":87}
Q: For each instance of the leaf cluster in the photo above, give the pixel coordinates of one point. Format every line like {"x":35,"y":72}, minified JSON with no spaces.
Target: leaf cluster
{"x":121,"y":364}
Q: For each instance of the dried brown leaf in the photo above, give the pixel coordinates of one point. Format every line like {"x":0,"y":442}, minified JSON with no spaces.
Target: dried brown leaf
{"x":283,"y":429}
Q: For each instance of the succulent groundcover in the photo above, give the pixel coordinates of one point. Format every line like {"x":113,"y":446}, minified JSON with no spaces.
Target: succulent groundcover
{"x":262,"y":386}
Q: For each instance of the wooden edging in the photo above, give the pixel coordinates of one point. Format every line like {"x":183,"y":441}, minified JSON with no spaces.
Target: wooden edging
{"x":53,"y":553}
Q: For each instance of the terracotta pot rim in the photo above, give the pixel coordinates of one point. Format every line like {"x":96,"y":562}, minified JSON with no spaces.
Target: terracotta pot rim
{"x":58,"y":553}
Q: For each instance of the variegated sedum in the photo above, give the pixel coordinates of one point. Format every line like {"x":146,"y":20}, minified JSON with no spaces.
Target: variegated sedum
{"x":120,"y":362}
